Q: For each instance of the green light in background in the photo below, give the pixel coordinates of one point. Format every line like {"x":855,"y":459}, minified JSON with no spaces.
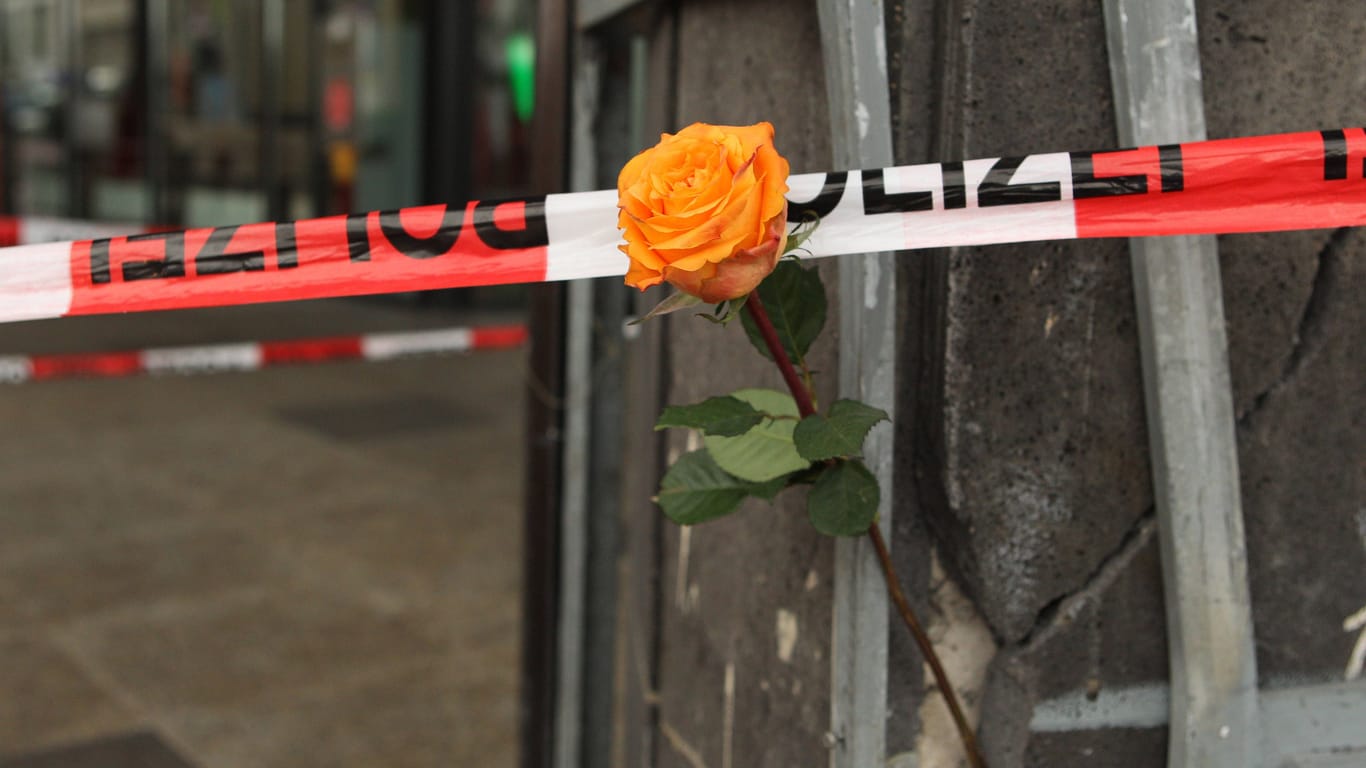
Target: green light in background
{"x":521,"y":58}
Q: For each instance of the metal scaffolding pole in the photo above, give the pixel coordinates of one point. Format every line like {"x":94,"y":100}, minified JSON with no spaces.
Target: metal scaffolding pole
{"x":860,"y":133}
{"x":1155,"y":68}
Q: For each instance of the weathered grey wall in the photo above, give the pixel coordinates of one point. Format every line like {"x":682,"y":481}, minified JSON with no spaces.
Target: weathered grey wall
{"x":1030,"y":461}
{"x":1021,"y":437}
{"x":724,"y":583}
{"x":1297,"y":337}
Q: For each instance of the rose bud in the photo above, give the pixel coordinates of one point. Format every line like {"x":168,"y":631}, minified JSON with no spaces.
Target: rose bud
{"x":705,"y":210}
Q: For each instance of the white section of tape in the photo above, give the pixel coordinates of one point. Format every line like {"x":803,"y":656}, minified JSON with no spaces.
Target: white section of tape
{"x":41,"y":229}
{"x":35,"y":281}
{"x":583,"y":236}
{"x":984,"y":226}
{"x":15,"y":369}
{"x":804,"y":187}
{"x":848,"y":229}
{"x":975,"y":225}
{"x":386,"y":346}
{"x":220,"y":357}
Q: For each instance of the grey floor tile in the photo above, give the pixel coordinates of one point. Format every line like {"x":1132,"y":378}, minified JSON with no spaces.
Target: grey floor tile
{"x":235,"y":650}
{"x":131,"y":572}
{"x":46,"y":698}
{"x":133,"y":750}
{"x":376,"y":417}
{"x":427,"y":717}
{"x":264,"y":591}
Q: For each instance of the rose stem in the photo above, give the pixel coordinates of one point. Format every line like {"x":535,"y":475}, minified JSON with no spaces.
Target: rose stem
{"x":802,"y":395}
{"x":941,"y":678}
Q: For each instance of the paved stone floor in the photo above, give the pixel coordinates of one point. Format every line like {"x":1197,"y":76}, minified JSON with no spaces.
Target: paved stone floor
{"x":248,"y":570}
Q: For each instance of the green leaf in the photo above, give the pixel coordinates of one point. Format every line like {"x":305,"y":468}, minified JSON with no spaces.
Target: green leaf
{"x":770,"y":489}
{"x":844,"y":500}
{"x":795,"y":301}
{"x":766,"y":451}
{"x":724,"y":416}
{"x":840,"y":434}
{"x":672,"y":304}
{"x":696,"y":490}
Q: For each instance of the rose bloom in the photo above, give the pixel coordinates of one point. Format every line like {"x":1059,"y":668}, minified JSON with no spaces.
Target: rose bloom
{"x":705,"y":210}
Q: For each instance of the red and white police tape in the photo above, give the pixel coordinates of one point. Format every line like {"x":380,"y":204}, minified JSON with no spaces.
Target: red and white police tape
{"x":251,"y":356}
{"x":1307,"y":180}
{"x":16,"y":230}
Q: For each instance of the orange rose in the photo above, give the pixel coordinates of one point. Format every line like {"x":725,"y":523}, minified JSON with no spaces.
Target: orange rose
{"x":705,"y":209}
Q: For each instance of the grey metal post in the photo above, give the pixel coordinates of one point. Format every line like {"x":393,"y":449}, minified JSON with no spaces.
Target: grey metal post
{"x":574,"y":525}
{"x":73,"y":63}
{"x":156,"y":146}
{"x":1155,"y":67}
{"x":854,"y":47}
{"x":271,"y":74}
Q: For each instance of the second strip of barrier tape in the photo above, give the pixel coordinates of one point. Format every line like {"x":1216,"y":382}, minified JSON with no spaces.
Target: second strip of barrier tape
{"x":252,"y":356}
{"x":1307,"y":180}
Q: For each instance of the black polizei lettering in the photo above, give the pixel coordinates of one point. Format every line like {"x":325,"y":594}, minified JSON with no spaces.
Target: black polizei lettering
{"x":996,"y":188}
{"x":532,"y":234}
{"x":358,"y":236}
{"x":955,"y":185}
{"x":171,"y":265}
{"x":832,"y":190}
{"x":286,"y":245}
{"x":1173,"y":171}
{"x":1085,"y":184}
{"x":99,"y":261}
{"x":214,"y":259}
{"x":876,"y":199}
{"x":1335,"y":155}
{"x":439,"y":242}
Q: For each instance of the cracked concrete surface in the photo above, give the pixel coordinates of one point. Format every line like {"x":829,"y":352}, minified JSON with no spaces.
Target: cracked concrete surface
{"x":1303,"y":478}
{"x":1031,"y":463}
{"x":1108,"y":633}
{"x":1043,"y":465}
{"x":1309,"y":331}
{"x":1064,"y":609}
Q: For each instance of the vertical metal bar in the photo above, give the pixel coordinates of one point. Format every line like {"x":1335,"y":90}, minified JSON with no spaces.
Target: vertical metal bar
{"x":540,"y":594}
{"x":854,"y":48}
{"x":72,"y":69}
{"x":577,"y":432}
{"x":156,"y":148}
{"x":271,"y":73}
{"x":318,"y":173}
{"x":606,"y":426}
{"x":573,"y":525}
{"x":452,"y":48}
{"x":1155,"y":67}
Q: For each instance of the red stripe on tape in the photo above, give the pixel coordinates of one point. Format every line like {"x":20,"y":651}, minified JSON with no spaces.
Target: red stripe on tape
{"x":498,"y":336}
{"x":310,"y":350}
{"x":105,"y":364}
{"x":1230,"y":185}
{"x":9,"y":231}
{"x":421,"y":248}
